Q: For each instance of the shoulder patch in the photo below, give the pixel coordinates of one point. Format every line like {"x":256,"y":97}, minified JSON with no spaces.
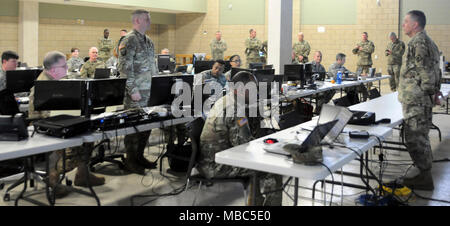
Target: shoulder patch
{"x":242,"y":122}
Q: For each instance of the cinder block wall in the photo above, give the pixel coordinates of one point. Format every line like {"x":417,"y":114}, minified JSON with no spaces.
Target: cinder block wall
{"x":10,"y":29}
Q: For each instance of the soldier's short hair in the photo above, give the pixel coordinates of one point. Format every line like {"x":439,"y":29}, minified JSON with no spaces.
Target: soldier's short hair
{"x":392,"y":34}
{"x":137,"y":13}
{"x":251,"y":30}
{"x":318,"y":51}
{"x":419,"y":17}
{"x":221,"y":62}
{"x":340,"y":56}
{"x":52,"y":58}
{"x":366,"y":33}
{"x":74,"y":49}
{"x":234,"y":56}
{"x":244,"y":77}
{"x":106,"y":29}
{"x":9,"y":55}
{"x":124,"y":30}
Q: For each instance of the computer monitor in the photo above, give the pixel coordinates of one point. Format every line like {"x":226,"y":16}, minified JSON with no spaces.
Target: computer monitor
{"x":102,"y":73}
{"x":21,"y":80}
{"x":106,"y":92}
{"x":164,"y":63}
{"x":269,"y":79}
{"x":264,"y":72}
{"x":13,"y":128}
{"x":308,"y":73}
{"x":256,"y":66}
{"x":331,"y":113}
{"x":236,"y":70}
{"x":227,"y":66}
{"x":161,"y":91}
{"x":59,"y":95}
{"x":201,"y":66}
{"x":372,"y":72}
{"x":294,"y":72}
{"x":198,"y":56}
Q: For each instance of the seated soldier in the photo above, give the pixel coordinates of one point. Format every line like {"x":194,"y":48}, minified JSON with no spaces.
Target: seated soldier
{"x":323,"y":97}
{"x":235,"y":62}
{"x":8,"y":104}
{"x":225,"y":128}
{"x":88,"y":69}
{"x":55,"y":68}
{"x":215,"y":74}
{"x":339,"y":66}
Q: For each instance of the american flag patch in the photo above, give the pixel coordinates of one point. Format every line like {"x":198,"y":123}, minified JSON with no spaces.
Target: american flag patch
{"x":242,"y":122}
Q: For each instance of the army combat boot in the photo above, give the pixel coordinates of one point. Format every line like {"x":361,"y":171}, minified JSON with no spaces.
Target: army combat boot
{"x":423,"y":181}
{"x":131,"y":164}
{"x":59,"y":190}
{"x":83,"y":174}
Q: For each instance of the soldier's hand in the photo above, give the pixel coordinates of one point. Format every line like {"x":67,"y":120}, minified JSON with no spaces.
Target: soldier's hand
{"x":300,"y":58}
{"x":136,"y":96}
{"x":360,"y":48}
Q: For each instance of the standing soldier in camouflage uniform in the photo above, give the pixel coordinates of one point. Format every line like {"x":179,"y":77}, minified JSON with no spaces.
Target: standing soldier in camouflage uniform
{"x":88,"y":69}
{"x":223,"y":130}
{"x":55,"y":68}
{"x":394,"y":52}
{"x":301,"y":50}
{"x":218,"y":47}
{"x":105,"y":46}
{"x":252,"y":48}
{"x":364,"y":50}
{"x":419,"y":83}
{"x":137,"y":64}
{"x":75,"y":62}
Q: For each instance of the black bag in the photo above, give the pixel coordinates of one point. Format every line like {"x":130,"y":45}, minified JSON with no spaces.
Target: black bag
{"x":13,"y":128}
{"x":362,"y":118}
{"x":374,"y":93}
{"x":179,"y":157}
{"x":63,"y":126}
{"x":8,"y":103}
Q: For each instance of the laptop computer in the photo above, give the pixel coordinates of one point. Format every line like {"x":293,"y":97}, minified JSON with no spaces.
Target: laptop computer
{"x":314,"y":138}
{"x":102,"y":73}
{"x":331,"y":113}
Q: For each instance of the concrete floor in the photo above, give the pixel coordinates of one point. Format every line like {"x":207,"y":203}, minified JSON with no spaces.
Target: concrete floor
{"x":123,"y":189}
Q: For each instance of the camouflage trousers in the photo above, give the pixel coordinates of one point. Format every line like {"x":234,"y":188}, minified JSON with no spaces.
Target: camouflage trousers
{"x":365,"y":70}
{"x":323,"y":98}
{"x":271,"y":183}
{"x":417,"y":141}
{"x":74,"y":157}
{"x":135,"y":143}
{"x":394,"y":71}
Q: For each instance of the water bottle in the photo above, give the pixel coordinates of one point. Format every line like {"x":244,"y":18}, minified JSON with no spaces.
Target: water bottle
{"x":339,"y":77}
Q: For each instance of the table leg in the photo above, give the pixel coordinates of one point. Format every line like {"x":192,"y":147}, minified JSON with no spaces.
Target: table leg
{"x":296,"y":192}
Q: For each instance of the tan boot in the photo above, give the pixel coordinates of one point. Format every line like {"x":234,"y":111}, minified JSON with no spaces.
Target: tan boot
{"x":83,"y":174}
{"x":53,"y":181}
{"x":423,"y":181}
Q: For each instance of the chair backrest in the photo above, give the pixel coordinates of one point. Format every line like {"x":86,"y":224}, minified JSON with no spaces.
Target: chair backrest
{"x":195,"y":129}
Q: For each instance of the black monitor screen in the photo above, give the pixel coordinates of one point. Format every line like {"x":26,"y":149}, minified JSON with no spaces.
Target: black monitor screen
{"x":102,"y":73}
{"x":256,"y":65}
{"x":264,"y":72}
{"x":235,"y":70}
{"x":201,"y":66}
{"x":161,"y":92}
{"x":21,"y":80}
{"x":107,"y":92}
{"x":59,"y":95}
{"x":164,"y":63}
{"x":294,"y":72}
{"x":308,"y":73}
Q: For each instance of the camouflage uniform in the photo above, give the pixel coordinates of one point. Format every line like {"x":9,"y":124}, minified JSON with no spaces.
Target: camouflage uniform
{"x":2,"y":79}
{"x":217,"y":49}
{"x":221,"y":132}
{"x":207,"y":76}
{"x":137,"y":64}
{"x":105,"y":46}
{"x":88,"y":69}
{"x":395,"y":62}
{"x":74,"y":63}
{"x":419,"y":81}
{"x":264,"y":50}
{"x":301,"y":49}
{"x":364,"y":56}
{"x":332,"y":73}
{"x":74,"y":155}
{"x":323,"y":97}
{"x":252,"y":48}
